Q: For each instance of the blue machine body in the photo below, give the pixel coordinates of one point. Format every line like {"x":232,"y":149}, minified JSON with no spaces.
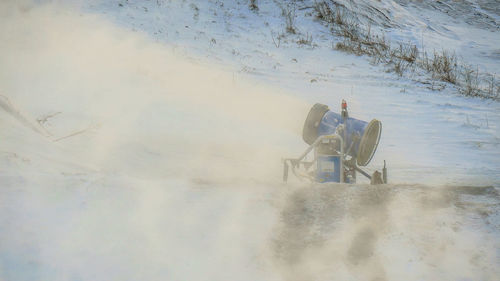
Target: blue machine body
{"x":328,"y":168}
{"x":354,"y":130}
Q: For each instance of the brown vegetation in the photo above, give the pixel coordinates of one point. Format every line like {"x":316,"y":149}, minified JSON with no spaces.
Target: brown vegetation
{"x":404,"y":57}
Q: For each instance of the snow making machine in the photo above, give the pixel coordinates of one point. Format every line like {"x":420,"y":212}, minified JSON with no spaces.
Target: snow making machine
{"x":340,"y":145}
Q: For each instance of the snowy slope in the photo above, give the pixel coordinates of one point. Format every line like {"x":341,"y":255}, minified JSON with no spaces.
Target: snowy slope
{"x":441,"y":128}
{"x":141,"y":140}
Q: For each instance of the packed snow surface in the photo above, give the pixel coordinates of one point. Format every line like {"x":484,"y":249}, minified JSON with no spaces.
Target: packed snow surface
{"x":141,"y":140}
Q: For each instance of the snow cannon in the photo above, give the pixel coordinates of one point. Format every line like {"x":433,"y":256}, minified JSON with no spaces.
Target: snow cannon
{"x":360,"y":138}
{"x":341,"y":144}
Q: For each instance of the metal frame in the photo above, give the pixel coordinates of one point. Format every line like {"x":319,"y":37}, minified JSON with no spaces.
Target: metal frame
{"x":295,"y":162}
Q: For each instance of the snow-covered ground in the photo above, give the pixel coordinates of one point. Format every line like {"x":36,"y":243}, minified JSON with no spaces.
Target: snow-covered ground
{"x":141,"y":140}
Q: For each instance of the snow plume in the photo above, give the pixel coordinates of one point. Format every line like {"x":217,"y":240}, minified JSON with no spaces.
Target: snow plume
{"x":150,"y":171}
{"x":136,"y":96}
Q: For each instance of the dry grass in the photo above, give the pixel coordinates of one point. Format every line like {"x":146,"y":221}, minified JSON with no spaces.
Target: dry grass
{"x":288,"y":12}
{"x":404,"y":57}
{"x":305,"y":40}
{"x":253,"y":5}
{"x":471,"y":79}
{"x":442,"y":66}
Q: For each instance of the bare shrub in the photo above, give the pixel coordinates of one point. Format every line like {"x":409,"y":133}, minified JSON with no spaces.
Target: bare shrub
{"x":253,"y":5}
{"x":288,"y":12}
{"x":307,"y":40}
{"x":196,"y":11}
{"x":399,"y":67}
{"x":406,"y":52}
{"x":323,"y":12}
{"x":471,"y":81}
{"x":347,"y":46}
{"x":374,"y":46}
{"x":444,"y":66}
{"x":491,"y":85}
{"x":402,"y":58}
{"x":356,"y":39}
{"x":277,"y":41}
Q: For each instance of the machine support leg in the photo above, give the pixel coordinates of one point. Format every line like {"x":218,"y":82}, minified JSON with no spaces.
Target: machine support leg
{"x":384,"y":173}
{"x":285,"y":172}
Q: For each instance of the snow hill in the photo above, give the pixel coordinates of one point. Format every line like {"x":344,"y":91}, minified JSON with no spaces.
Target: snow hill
{"x":141,"y":140}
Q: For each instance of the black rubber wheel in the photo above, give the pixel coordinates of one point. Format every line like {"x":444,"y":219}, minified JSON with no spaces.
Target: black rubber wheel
{"x":310,"y":131}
